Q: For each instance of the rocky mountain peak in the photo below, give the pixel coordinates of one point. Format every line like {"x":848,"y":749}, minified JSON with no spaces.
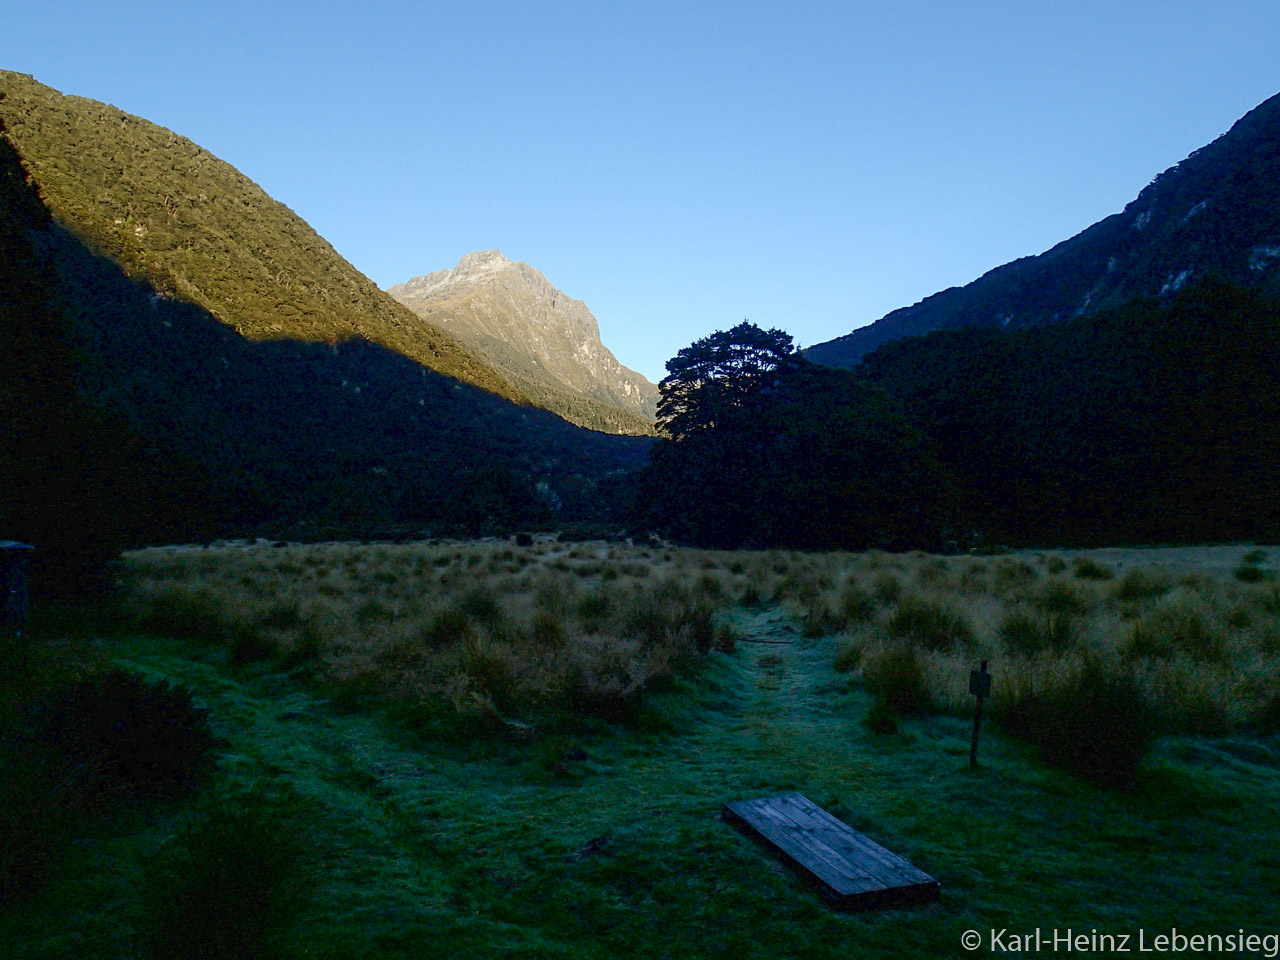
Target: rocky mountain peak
{"x":479,"y":262}
{"x":510,"y":313}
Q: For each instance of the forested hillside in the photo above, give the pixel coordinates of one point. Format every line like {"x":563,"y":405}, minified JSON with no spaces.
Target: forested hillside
{"x":135,"y":417}
{"x":1155,"y":422}
{"x":198,"y":230}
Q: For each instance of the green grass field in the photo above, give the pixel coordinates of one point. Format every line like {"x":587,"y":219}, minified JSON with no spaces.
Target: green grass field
{"x":549,"y":835}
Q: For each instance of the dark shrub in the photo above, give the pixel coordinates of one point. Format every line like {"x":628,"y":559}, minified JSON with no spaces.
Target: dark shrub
{"x":118,"y":735}
{"x":229,"y":888}
{"x":1087,"y":568}
{"x":34,"y":821}
{"x":82,"y":749}
{"x":1096,"y":725}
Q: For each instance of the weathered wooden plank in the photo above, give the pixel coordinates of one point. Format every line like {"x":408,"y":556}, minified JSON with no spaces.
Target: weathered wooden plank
{"x":785,"y":826}
{"x":875,"y":859}
{"x":837,"y":874}
{"x":850,"y":870}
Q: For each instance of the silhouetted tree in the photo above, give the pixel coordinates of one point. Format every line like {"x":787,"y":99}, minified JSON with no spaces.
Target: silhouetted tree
{"x":714,"y":380}
{"x":764,"y":448}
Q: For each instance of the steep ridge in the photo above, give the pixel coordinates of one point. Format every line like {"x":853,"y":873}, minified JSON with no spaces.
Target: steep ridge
{"x":546,"y":342}
{"x":200,"y":231}
{"x":137,"y":413}
{"x":1215,"y":214}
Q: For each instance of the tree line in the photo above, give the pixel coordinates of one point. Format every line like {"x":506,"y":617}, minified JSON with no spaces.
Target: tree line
{"x":1155,"y":422}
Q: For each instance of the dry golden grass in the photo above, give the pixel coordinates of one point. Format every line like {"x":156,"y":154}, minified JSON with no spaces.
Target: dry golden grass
{"x":495,"y":631}
{"x":1201,"y":642}
{"x":491,"y":630}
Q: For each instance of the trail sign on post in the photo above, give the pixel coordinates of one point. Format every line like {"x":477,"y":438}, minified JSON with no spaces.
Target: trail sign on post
{"x":980,"y":687}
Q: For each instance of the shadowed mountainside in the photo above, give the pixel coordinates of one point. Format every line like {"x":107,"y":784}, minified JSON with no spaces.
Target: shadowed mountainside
{"x":132,"y":416}
{"x":198,"y":230}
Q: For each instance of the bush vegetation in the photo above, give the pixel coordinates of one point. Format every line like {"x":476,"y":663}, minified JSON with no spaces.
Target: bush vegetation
{"x":82,"y":741}
{"x":230,"y":885}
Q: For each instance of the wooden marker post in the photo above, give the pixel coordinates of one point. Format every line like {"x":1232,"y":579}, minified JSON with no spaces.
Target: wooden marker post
{"x":980,"y":687}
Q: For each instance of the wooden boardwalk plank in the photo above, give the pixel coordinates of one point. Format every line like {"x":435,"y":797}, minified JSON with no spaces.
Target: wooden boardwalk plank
{"x":851,"y":870}
{"x":874,"y":858}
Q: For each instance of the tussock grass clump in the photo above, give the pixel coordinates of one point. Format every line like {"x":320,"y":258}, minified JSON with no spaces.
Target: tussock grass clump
{"x":1008,"y":574}
{"x":1053,"y":563}
{"x":1139,"y":583}
{"x":894,"y":674}
{"x":934,"y":625}
{"x":1095,"y":724}
{"x":1086,"y":568}
{"x":1059,"y":596}
{"x":848,"y":658}
{"x":1181,"y":625}
{"x":887,"y":587}
{"x":1248,"y":573}
{"x":1028,"y":633}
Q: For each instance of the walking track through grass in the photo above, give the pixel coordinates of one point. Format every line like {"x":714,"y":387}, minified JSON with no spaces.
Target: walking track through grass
{"x":608,"y":842}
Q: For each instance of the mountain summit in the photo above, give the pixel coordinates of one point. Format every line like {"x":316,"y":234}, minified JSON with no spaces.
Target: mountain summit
{"x":1217,"y":213}
{"x":544,"y":341}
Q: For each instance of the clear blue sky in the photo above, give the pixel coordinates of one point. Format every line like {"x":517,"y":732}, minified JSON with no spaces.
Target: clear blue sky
{"x":680,"y":166}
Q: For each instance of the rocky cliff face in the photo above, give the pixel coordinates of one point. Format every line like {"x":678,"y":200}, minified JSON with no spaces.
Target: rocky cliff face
{"x":546,"y":341}
{"x":1215,"y":214}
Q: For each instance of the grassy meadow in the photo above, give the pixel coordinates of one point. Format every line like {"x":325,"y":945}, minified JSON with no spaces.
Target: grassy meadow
{"x":478,"y":749}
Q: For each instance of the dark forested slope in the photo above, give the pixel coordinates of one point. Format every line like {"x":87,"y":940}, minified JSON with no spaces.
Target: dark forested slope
{"x":132,"y":415}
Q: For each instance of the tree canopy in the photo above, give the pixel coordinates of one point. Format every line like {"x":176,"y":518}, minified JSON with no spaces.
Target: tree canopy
{"x":763,"y":447}
{"x":714,"y":378}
